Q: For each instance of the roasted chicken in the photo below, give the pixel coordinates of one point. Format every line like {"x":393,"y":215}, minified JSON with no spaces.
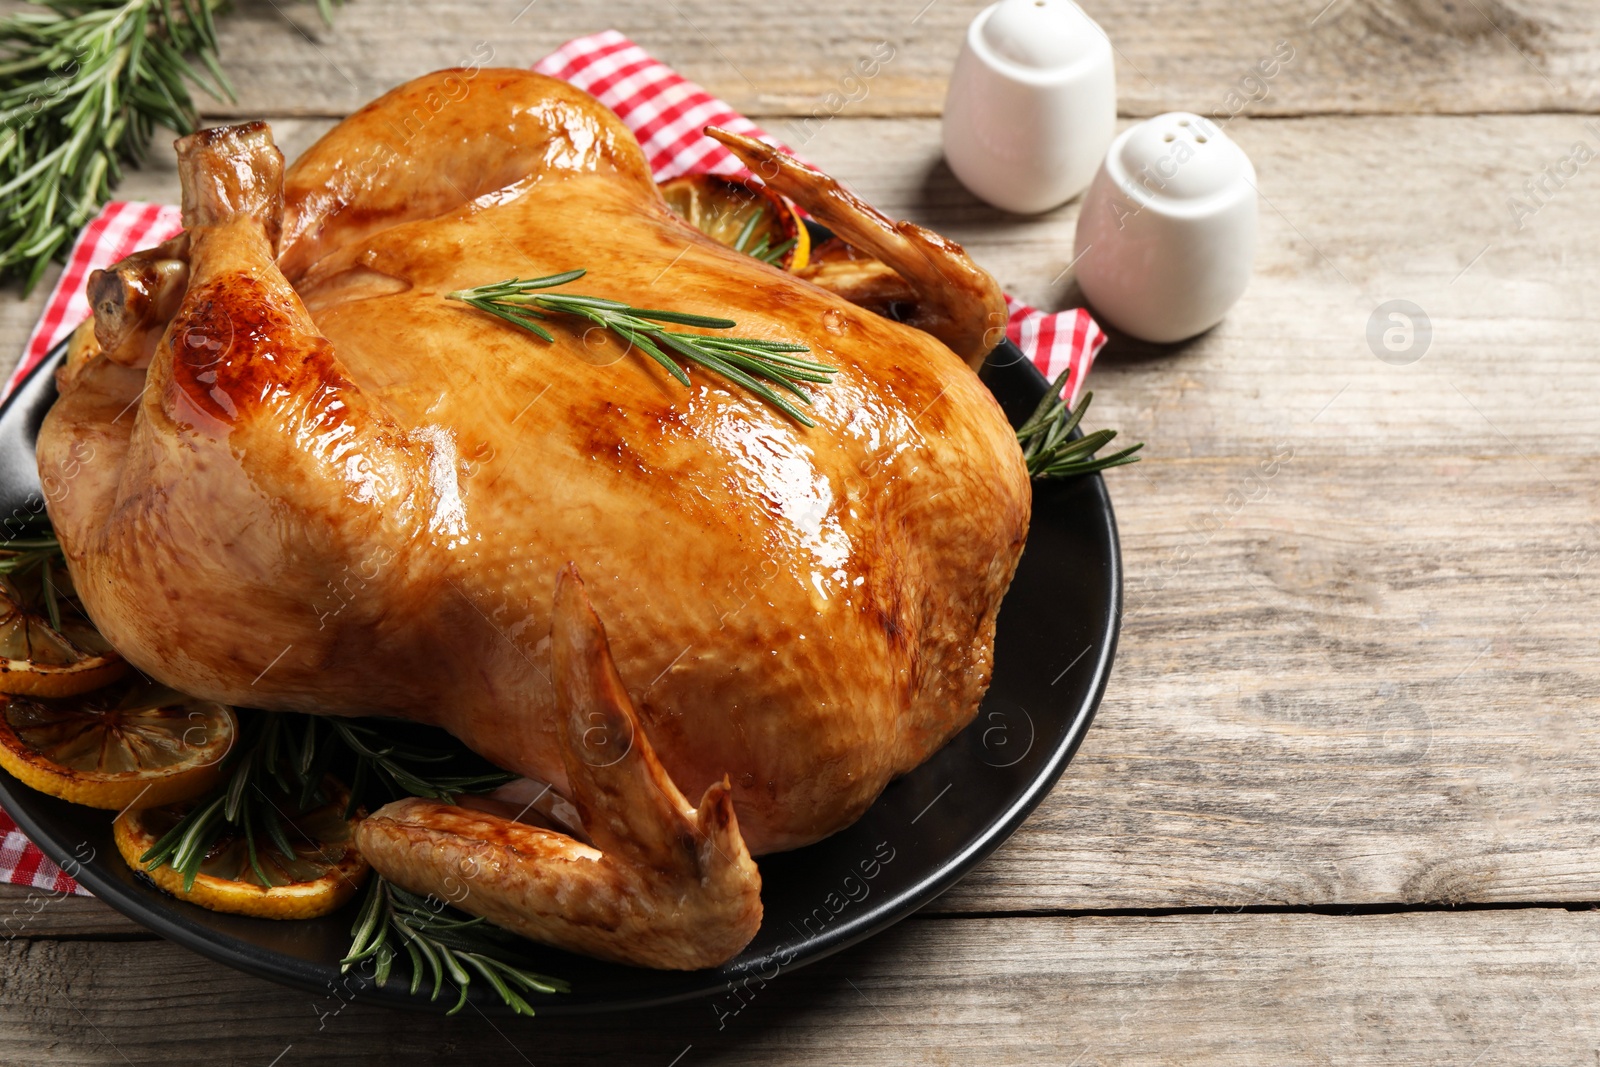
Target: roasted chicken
{"x":317,"y":485}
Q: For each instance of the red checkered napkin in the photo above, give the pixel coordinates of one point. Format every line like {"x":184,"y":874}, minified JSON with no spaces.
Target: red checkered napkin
{"x":21,"y":863}
{"x":665,"y":111}
{"x":120,"y":228}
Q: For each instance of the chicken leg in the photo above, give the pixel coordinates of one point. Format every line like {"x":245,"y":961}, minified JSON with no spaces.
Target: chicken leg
{"x":663,"y":885}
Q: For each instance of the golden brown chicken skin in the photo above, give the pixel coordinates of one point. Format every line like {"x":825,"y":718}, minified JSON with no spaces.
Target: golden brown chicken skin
{"x":327,"y":488}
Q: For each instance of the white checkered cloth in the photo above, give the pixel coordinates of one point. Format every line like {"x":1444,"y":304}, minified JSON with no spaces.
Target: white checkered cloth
{"x":665,"y":111}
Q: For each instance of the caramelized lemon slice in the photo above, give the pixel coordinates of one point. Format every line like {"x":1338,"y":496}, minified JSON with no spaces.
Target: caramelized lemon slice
{"x":742,"y":215}
{"x":129,"y":746}
{"x":48,"y":648}
{"x":322,"y":872}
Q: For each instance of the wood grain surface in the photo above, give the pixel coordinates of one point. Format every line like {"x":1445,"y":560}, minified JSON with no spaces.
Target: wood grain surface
{"x":1360,"y":667}
{"x":1348,"y":56}
{"x":1485,"y":987}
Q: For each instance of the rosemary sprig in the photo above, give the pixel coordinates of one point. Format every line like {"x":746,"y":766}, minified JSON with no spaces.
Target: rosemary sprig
{"x":441,"y":942}
{"x":773,"y":255}
{"x":1047,"y":444}
{"x":285,"y":757}
{"x":403,"y":769}
{"x":83,"y":85}
{"x":747,"y":229}
{"x":764,"y":250}
{"x":24,"y":553}
{"x":746,"y":361}
{"x":20,"y":555}
{"x":266,"y":760}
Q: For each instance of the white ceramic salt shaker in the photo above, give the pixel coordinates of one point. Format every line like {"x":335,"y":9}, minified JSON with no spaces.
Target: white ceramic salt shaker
{"x":1167,"y":234}
{"x":1032,"y":104}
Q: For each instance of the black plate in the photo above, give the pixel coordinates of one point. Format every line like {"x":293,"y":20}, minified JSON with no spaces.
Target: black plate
{"x":1057,"y":636}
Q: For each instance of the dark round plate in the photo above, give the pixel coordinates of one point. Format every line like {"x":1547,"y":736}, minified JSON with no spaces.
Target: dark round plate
{"x":1057,"y":636}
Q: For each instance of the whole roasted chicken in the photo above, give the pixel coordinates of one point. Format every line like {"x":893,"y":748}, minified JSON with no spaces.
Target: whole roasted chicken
{"x":314,"y":484}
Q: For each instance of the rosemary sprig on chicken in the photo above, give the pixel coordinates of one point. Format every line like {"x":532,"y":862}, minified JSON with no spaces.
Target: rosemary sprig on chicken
{"x":749,"y":362}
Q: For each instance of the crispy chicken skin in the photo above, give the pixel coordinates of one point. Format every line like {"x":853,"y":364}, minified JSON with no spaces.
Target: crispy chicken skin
{"x":319,"y":486}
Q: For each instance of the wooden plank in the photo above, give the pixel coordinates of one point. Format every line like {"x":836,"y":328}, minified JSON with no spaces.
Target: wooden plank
{"x":1369,"y":676}
{"x":28,"y":913}
{"x":1353,"y":689}
{"x":1481,"y":987}
{"x":1347,"y":56}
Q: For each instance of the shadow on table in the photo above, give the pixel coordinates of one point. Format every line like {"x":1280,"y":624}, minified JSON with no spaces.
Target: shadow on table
{"x":824,"y":1007}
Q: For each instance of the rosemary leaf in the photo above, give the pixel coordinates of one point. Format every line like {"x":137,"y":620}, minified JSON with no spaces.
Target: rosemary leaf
{"x":416,"y":965}
{"x":435,"y":968}
{"x":749,"y":228}
{"x":254,"y":854}
{"x":441,"y":944}
{"x":747,"y":362}
{"x":1050,"y":450}
{"x":775,"y":254}
{"x":277,"y":832}
{"x":385,"y":963}
{"x":52,"y":606}
{"x":308,"y":754}
{"x":682,"y":318}
{"x":363,"y":936}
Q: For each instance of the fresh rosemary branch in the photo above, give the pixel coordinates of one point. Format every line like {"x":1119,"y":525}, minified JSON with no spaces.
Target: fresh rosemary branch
{"x":185,"y":845}
{"x":1047,"y":443}
{"x":403,"y":769}
{"x":285,"y":757}
{"x":441,"y":942}
{"x":267,"y":764}
{"x":83,"y":85}
{"x":745,"y":361}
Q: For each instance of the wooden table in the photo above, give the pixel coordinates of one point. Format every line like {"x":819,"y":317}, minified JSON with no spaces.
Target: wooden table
{"x":1339,"y":803}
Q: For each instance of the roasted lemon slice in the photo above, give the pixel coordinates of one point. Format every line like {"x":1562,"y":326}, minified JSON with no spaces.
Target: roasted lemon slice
{"x":127,"y":746}
{"x":742,"y":215}
{"x":323,"y":870}
{"x":48,"y":647}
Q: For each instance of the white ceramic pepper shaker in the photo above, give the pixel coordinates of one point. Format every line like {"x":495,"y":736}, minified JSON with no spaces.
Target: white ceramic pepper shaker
{"x":1167,"y":234}
{"x":1032,"y":104}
